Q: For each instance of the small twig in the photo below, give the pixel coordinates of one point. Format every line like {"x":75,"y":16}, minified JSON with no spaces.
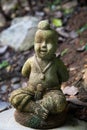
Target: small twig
{"x":77,"y":83}
{"x":76,"y":101}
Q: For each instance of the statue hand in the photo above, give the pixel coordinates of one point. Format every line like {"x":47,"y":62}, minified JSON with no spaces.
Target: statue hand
{"x":41,"y":111}
{"x":38,"y":95}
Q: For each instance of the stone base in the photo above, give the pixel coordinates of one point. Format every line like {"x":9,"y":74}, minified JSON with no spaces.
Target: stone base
{"x":53,"y":121}
{"x":7,"y":122}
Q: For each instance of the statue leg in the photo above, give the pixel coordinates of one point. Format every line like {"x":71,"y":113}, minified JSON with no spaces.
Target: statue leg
{"x":20,"y":97}
{"x":54,"y":101}
{"x":23,"y":100}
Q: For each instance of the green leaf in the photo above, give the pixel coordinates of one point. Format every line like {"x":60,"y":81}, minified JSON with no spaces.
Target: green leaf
{"x":82,"y":29}
{"x":68,"y":11}
{"x":81,"y":42}
{"x":57,"y":22}
{"x":64,"y":52}
{"x":86,"y":47}
{"x":4,"y":64}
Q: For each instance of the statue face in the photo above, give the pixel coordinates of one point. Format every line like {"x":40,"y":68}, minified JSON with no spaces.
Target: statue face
{"x":45,"y":44}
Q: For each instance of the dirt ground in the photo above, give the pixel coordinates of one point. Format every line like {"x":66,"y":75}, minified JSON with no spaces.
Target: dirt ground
{"x":75,"y":60}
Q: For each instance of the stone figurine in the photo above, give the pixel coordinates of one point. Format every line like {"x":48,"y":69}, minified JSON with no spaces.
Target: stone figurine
{"x":42,"y":104}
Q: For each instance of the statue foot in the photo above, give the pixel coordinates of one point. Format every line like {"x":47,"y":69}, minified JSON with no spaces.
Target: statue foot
{"x":41,"y":112}
{"x":36,"y":122}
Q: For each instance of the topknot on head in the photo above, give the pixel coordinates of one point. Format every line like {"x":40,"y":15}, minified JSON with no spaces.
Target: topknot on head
{"x":44,"y":25}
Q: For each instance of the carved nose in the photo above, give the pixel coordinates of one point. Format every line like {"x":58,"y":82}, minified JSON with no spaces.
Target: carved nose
{"x":44,"y":44}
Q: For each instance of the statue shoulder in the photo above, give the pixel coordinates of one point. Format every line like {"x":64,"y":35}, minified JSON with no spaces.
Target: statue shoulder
{"x":30,"y":60}
{"x":58,"y":61}
{"x":27,"y":66}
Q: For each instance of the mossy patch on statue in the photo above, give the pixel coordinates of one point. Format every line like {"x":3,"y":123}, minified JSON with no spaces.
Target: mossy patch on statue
{"x":34,"y":122}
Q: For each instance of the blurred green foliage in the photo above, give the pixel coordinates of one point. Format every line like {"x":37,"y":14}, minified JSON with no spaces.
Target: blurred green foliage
{"x":57,"y":22}
{"x":64,"y":52}
{"x":52,"y":4}
{"x":82,"y":29}
{"x":4,"y":64}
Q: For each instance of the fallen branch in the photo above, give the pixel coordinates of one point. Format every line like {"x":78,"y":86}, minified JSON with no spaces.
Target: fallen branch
{"x":75,"y":100}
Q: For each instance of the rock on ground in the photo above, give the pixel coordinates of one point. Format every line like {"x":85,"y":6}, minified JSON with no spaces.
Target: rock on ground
{"x":20,"y":35}
{"x":7,"y":122}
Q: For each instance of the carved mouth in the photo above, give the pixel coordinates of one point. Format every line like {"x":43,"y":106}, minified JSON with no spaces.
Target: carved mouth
{"x":43,"y":51}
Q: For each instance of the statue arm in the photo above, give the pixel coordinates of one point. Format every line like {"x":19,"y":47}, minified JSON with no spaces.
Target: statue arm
{"x":62,"y":71}
{"x":26,"y":68}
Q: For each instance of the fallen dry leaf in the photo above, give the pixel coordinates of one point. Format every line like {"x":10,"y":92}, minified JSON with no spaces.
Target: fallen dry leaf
{"x":70,"y":90}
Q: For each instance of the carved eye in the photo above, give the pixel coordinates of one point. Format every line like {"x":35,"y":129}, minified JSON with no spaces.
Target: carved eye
{"x":49,"y":41}
{"x":39,"y":40}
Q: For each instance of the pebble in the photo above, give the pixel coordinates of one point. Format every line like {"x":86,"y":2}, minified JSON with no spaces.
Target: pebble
{"x":73,"y":68}
{"x":37,"y":13}
{"x":62,"y":32}
{"x":46,"y":10}
{"x":73,"y":34}
{"x":4,"y":89}
{"x":15,"y":80}
{"x":61,"y":39}
{"x":3,"y":49}
{"x":58,"y":14}
{"x":15,"y":86}
{"x":3,"y":105}
{"x":81,"y":49}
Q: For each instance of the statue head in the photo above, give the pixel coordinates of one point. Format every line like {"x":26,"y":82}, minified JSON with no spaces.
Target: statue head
{"x":45,"y":41}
